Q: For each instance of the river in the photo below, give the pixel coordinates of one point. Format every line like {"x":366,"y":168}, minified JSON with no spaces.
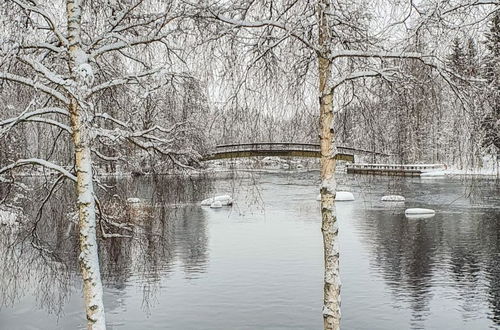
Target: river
{"x":258,"y":264}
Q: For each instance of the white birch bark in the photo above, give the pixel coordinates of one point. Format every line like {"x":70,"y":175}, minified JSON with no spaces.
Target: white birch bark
{"x":82,"y":139}
{"x":329,"y":227}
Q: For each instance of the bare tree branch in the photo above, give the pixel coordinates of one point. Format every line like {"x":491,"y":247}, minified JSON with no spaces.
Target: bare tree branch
{"x":34,"y":84}
{"x":41,"y":162}
{"x":50,"y":21}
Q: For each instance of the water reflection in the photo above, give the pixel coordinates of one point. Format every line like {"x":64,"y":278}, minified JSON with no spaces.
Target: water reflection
{"x":458,"y":249}
{"x":167,"y":230}
{"x":264,"y":255}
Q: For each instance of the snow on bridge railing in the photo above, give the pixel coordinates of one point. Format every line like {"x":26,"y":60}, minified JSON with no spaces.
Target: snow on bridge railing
{"x":407,"y":167}
{"x":287,"y":146}
{"x":267,"y":146}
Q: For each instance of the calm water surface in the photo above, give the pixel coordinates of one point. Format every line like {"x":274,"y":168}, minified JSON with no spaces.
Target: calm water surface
{"x":258,"y":265}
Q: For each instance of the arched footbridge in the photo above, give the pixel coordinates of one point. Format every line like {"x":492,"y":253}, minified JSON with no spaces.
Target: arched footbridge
{"x":281,"y":149}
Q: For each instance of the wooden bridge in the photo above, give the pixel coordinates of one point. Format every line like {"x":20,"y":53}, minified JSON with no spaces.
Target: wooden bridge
{"x":282,"y":149}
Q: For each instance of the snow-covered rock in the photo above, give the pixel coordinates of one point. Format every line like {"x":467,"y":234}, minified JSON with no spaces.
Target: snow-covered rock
{"x":344,"y":196}
{"x":225,"y":200}
{"x":416,"y":211}
{"x":420,"y":216}
{"x":340,"y":196}
{"x":216,"y":205}
{"x":392,"y":198}
{"x":133,"y":200}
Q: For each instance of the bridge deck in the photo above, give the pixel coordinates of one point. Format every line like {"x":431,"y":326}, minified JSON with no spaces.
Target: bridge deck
{"x":281,"y":149}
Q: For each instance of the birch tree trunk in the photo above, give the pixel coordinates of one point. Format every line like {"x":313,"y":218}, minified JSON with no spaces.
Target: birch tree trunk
{"x":329,"y":227}
{"x":81,"y":72}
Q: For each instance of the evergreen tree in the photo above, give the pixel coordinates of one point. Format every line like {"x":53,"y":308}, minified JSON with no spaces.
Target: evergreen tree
{"x":491,"y":122}
{"x":472,"y":58}
{"x":457,"y":59}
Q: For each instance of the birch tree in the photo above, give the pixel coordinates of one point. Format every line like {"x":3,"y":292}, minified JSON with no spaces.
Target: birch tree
{"x":345,"y":44}
{"x":66,"y":65}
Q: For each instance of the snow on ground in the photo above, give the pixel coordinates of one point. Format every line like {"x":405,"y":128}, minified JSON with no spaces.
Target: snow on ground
{"x":434,"y":173}
{"x":478,"y":171}
{"x":490,"y":167}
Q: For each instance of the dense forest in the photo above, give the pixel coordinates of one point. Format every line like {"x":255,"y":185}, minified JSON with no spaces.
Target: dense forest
{"x":216,"y":89}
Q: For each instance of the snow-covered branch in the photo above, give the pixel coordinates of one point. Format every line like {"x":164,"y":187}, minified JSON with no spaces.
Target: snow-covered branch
{"x":474,"y":3}
{"x":36,"y":8}
{"x":40,"y":162}
{"x":159,"y":128}
{"x":34,"y":84}
{"x":163,"y":142}
{"x":429,"y":60}
{"x":119,"y":19}
{"x":124,"y":80}
{"x":106,"y":116}
{"x":39,"y":120}
{"x":26,"y":115}
{"x":104,"y":157}
{"x":364,"y":74}
{"x":376,"y":54}
{"x":43,"y":45}
{"x":265,"y":23}
{"x":46,"y":72}
{"x":116,"y":28}
{"x":124,"y":43}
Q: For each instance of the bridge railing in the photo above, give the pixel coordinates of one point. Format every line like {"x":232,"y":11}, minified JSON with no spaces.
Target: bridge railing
{"x":288,"y":146}
{"x":266,"y":146}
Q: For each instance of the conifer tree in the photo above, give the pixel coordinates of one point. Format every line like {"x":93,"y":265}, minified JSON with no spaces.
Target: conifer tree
{"x":491,"y":122}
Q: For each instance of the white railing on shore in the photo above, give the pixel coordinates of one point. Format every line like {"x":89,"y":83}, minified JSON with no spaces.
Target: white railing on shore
{"x":397,"y":167}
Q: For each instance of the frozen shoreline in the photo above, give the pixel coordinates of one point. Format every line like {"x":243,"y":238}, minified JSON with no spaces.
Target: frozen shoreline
{"x":271,"y":164}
